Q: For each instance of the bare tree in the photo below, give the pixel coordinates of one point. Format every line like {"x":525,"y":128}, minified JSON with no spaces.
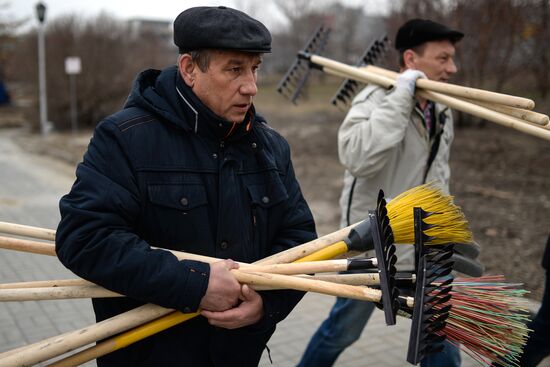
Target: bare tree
{"x":503,"y":38}
{"x":536,"y":34}
{"x":8,"y":39}
{"x":110,"y":58}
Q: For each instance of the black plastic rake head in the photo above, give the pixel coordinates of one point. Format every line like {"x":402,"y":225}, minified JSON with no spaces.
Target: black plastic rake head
{"x":349,"y":88}
{"x":432,"y":293}
{"x":293,"y":82}
{"x":384,"y":247}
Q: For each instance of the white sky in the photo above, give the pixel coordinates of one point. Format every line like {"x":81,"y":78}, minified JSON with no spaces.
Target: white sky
{"x":155,"y":9}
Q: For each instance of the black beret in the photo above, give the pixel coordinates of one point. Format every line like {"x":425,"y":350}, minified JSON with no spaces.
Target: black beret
{"x":220,"y":28}
{"x":417,"y":31}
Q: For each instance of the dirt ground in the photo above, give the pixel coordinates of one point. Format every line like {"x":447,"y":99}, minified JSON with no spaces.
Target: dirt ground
{"x":500,"y":178}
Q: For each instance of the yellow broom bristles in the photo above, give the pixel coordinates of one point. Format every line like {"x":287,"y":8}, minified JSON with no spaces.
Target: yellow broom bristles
{"x":448,"y":221}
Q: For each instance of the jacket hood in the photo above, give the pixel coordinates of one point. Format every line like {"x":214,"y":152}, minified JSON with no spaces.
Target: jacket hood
{"x":154,"y":91}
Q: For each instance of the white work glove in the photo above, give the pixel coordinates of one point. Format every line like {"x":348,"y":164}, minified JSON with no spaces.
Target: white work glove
{"x":407,"y":80}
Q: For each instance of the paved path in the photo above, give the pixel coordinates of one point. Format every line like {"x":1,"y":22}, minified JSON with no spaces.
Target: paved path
{"x":30,"y":187}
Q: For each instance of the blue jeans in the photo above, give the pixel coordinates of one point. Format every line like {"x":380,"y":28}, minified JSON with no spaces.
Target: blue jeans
{"x":343,"y":327}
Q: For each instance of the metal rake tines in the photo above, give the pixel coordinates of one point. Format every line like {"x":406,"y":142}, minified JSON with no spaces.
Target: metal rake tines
{"x":430,"y":312}
{"x":420,"y":237}
{"x":349,"y":88}
{"x":293,"y":81}
{"x":388,"y":245}
{"x":432,"y":293}
{"x":385,"y":254}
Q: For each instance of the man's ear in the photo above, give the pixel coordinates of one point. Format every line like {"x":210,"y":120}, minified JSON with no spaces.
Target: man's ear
{"x":409,"y":59}
{"x":187,"y":69}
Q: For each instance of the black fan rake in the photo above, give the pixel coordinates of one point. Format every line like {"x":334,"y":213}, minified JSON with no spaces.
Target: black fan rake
{"x":384,"y":247}
{"x":432,"y":293}
{"x":349,"y":87}
{"x":293,"y":81}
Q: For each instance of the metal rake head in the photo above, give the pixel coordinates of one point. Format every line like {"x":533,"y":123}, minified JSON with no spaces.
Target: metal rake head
{"x":384,"y":247}
{"x":432,"y":293}
{"x":293,"y":81}
{"x":349,"y":88}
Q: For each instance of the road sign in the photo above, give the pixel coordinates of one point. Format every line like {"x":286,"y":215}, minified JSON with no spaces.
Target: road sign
{"x":72,"y":65}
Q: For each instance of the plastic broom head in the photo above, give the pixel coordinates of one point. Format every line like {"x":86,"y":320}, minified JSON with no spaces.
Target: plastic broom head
{"x":449,"y":225}
{"x":488,"y":320}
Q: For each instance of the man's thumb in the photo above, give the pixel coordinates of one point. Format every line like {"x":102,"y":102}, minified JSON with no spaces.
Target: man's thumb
{"x":246,"y":292}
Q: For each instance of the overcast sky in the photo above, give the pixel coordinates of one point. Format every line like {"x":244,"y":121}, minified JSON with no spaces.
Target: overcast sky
{"x":156,"y":9}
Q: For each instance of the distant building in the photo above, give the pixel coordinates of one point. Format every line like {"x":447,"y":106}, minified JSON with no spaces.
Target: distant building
{"x":154,"y":28}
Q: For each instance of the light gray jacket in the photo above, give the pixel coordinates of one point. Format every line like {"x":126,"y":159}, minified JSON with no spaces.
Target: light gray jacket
{"x":383,"y":144}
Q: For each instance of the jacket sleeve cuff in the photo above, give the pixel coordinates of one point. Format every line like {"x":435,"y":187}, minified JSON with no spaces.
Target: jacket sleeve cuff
{"x":196,"y":285}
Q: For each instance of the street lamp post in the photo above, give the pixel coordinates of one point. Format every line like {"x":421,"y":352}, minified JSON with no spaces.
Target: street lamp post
{"x":41,"y":14}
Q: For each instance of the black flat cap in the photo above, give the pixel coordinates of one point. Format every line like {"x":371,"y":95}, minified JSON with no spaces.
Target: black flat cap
{"x":220,"y":28}
{"x":417,"y":31}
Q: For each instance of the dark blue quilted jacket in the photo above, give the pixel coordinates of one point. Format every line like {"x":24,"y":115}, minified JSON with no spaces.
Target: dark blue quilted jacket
{"x":166,"y":172}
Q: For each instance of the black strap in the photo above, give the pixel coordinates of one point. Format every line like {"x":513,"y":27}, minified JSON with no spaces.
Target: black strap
{"x":349,"y":201}
{"x":435,"y":145}
{"x":269,"y":354}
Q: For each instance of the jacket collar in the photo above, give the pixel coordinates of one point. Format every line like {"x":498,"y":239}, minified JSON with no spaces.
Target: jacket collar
{"x":165,"y":94}
{"x":201,"y":120}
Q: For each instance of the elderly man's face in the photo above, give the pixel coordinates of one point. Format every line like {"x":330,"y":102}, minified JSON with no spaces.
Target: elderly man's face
{"x":229,"y":84}
{"x":436,"y":60}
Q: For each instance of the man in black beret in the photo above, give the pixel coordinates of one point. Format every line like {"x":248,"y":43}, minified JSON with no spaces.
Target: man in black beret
{"x":189,"y":165}
{"x":391,"y":140}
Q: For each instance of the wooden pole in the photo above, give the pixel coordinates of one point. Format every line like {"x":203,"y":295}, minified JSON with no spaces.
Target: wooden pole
{"x":431,"y":85}
{"x":34,"y":247}
{"x":51,"y":293}
{"x":452,"y":102}
{"x":287,"y":256}
{"x":56,"y":346}
{"x":268,"y":272}
{"x":27,"y":231}
{"x":46,"y":283}
{"x":521,"y":113}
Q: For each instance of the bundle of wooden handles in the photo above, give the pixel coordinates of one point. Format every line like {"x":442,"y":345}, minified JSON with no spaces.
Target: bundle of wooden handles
{"x":507,"y":110}
{"x":154,"y":318}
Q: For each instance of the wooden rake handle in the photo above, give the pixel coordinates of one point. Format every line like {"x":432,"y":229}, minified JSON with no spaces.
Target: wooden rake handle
{"x":254,"y":279}
{"x":55,"y":346}
{"x":521,"y":113}
{"x":286,"y":256}
{"x":27,"y":231}
{"x":453,"y":102}
{"x":431,"y":85}
{"x":325,"y":266}
{"x":351,"y":279}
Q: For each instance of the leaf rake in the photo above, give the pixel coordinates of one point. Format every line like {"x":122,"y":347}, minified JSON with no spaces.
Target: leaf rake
{"x":384,"y":247}
{"x":293,"y":81}
{"x":432,"y":299}
{"x":349,"y":87}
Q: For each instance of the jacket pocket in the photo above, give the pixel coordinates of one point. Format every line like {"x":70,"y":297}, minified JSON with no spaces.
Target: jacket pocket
{"x":267,"y":196}
{"x":180,"y":216}
{"x":183,"y":197}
